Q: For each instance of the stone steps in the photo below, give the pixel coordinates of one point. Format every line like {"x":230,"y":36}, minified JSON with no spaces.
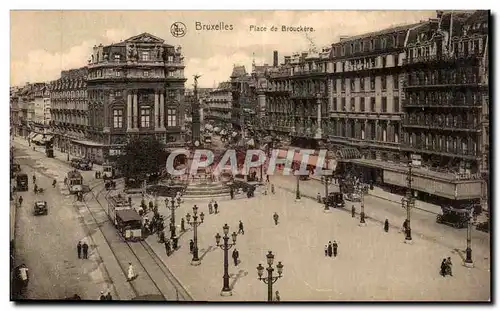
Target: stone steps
{"x":206,"y":190}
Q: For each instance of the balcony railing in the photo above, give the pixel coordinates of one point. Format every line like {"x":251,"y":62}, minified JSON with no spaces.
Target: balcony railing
{"x":470,"y":80}
{"x":450,"y":150}
{"x":441,"y":58}
{"x":441,"y":103}
{"x":455,"y":126}
{"x":305,"y":94}
{"x":309,"y":72}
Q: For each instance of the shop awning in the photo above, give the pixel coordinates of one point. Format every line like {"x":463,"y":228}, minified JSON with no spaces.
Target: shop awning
{"x":37,"y":137}
{"x":348,"y":153}
{"x":47,"y":138}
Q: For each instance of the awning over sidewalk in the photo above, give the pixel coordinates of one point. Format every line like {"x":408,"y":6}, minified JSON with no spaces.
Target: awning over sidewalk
{"x":47,"y":138}
{"x":348,"y":153}
{"x":87,"y":143}
{"x":37,"y":138}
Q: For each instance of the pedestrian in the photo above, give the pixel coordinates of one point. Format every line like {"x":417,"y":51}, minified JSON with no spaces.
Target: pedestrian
{"x":443,"y":268}
{"x":34,"y":179}
{"x":161,"y":236}
{"x":448,"y":266}
{"x":85,"y":249}
{"x":277,"y":296}
{"x":275,"y":217}
{"x":20,"y":200}
{"x":236,"y":255}
{"x":386,"y":225}
{"x":326,"y":250}
{"x":330,"y":248}
{"x":405,"y":226}
{"x":102,"y":297}
{"x":108,"y":296}
{"x":167,"y":247}
{"x":151,"y":205}
{"x":216,"y":207}
{"x":240,"y":228}
{"x":183,"y":228}
{"x":210,"y":210}
{"x":96,"y":175}
{"x":353,"y":211}
{"x":318,"y":197}
{"x":191,"y":246}
{"x":335,"y":248}
{"x":131,"y":272}
{"x":54,"y":183}
{"x":79,"y":249}
{"x":130,"y":201}
{"x":272,"y":188}
{"x":267,"y":178}
{"x":231,"y":192}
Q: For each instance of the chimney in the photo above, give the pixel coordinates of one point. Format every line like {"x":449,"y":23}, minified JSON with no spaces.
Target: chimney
{"x":275,"y":59}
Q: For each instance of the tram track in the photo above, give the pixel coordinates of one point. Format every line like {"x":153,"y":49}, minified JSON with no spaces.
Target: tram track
{"x":158,"y":276}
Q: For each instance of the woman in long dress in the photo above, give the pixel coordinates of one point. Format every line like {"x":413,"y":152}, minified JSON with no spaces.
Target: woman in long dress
{"x":131,"y":272}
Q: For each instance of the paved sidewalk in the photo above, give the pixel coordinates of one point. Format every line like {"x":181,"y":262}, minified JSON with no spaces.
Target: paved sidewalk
{"x":372,"y":265}
{"x":423,"y":223}
{"x":58,"y":155}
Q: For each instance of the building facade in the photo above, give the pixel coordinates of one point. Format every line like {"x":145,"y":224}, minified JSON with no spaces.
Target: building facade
{"x":135,"y":88}
{"x":41,"y":115}
{"x":219,"y":103}
{"x":349,"y":97}
{"x":447,"y":98}
{"x":69,"y":112}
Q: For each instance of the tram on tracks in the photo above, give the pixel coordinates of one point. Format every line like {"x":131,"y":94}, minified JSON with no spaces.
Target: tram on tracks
{"x":74,"y":181}
{"x":125,"y":218}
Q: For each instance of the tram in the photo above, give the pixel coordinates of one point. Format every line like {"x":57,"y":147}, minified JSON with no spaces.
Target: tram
{"x":74,"y":181}
{"x":125,"y":218}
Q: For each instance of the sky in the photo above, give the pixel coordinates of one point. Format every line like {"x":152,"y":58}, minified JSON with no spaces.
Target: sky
{"x":45,"y":42}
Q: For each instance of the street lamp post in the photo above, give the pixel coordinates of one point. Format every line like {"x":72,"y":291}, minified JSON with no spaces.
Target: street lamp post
{"x":297,"y":190}
{"x":328,"y":177}
{"x":195,"y":223}
{"x":172,"y":208}
{"x":410,"y":202}
{"x":362,"y":222}
{"x":226,"y":246}
{"x":270,"y":279}
{"x":468,"y":251}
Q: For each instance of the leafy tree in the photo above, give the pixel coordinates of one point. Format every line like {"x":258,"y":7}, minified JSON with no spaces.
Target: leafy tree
{"x":141,"y":157}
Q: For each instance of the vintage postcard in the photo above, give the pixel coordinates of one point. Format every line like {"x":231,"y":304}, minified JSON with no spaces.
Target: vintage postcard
{"x":245,"y":156}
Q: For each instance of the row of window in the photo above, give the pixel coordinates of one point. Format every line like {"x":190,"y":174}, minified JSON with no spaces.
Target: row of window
{"x":146,"y":117}
{"x":369,"y":45}
{"x":69,"y":94}
{"x":362,"y":104}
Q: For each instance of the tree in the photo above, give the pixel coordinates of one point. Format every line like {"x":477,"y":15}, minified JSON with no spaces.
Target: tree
{"x":141,"y":157}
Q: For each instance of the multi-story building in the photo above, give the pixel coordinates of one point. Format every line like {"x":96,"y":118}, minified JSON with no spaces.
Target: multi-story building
{"x":135,"y":88}
{"x":446,"y":102}
{"x":219,"y":105}
{"x":69,"y":111}
{"x":41,"y":116}
{"x":350,"y":96}
{"x":241,"y":95}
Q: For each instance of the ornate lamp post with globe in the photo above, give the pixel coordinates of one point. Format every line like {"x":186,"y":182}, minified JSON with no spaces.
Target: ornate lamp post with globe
{"x":226,"y":246}
{"x":270,"y":279}
{"x":195,"y":223}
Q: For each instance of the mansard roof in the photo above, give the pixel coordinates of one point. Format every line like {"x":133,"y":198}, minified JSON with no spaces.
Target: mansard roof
{"x":238,"y":71}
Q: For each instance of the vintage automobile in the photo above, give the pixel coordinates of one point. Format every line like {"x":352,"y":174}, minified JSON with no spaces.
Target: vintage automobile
{"x":40,"y":208}
{"x":483,"y":226}
{"x":456,"y":217}
{"x":335,"y":199}
{"x":353,"y":197}
{"x":84,"y":164}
